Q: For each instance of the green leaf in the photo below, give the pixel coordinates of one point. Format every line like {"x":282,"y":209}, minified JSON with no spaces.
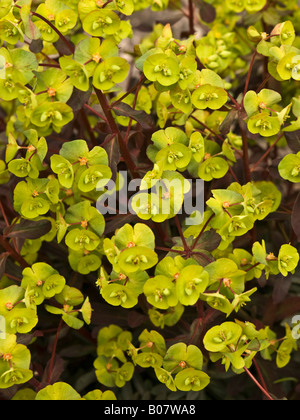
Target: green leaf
{"x":86,"y":311}
{"x":208,"y":96}
{"x":54,"y":114}
{"x":188,"y":67}
{"x":289,"y":168}
{"x":162,"y":69}
{"x":23,"y":168}
{"x":197,"y":146}
{"x":34,"y":207}
{"x":210,"y":77}
{"x":53,"y":285}
{"x":286,"y":31}
{"x":63,"y":169}
{"x":21,"y":320}
{"x":220,"y":337}
{"x":175,"y":156}
{"x":91,"y":51}
{"x":288,"y":259}
{"x":153,"y":341}
{"x":169,"y":136}
{"x":213,"y":168}
{"x":10,"y":33}
{"x":283,"y":356}
{"x":253,"y":6}
{"x":60,"y":391}
{"x":74,"y":150}
{"x":77,"y":72}
{"x":264,"y":125}
{"x":24,"y":395}
{"x":236,"y":5}
{"x":11,"y":149}
{"x":30,"y":29}
{"x":95,"y":177}
{"x":265,"y":99}
{"x":70,"y":296}
{"x":81,"y":239}
{"x":139,"y":235}
{"x":111,"y":71}
{"x":288,"y":66}
{"x":137,"y":258}
{"x":125,"y":7}
{"x":179,"y":356}
{"x":161,"y":292}
{"x":65,"y":20}
{"x":166,"y":378}
{"x":24,"y":64}
{"x":124,"y":374}
{"x":15,"y":376}
{"x":5,"y":7}
{"x":192,"y":281}
{"x":100,"y":23}
{"x":103,"y":371}
{"x":72,"y":321}
{"x":9,"y":297}
{"x":98,"y":395}
{"x":119,"y":295}
{"x":83,"y":213}
{"x":191,"y":380}
{"x":218,"y":302}
{"x":146,"y":360}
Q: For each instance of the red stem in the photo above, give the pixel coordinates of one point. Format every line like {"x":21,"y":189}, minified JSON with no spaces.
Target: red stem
{"x":245,"y":151}
{"x":8,"y":224}
{"x":177,"y":251}
{"x":142,"y":79}
{"x":191,"y":17}
{"x":88,"y":127}
{"x":13,"y":253}
{"x":249,"y":75}
{"x":203,"y":229}
{"x":55,"y":66}
{"x":260,"y":374}
{"x":54,"y":351}
{"x":114,"y":128}
{"x":264,"y":391}
{"x":95,"y":113}
{"x":185,"y":245}
{"x":64,"y":39}
{"x":207,"y":128}
{"x":133,"y":107}
{"x":266,"y":154}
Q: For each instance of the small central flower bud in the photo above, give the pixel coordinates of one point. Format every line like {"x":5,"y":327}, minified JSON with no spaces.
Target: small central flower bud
{"x":9,"y":306}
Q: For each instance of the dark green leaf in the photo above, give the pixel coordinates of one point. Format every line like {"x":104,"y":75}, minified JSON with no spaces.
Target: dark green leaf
{"x":28,"y":229}
{"x":293,"y":140}
{"x":209,"y":241}
{"x":140,"y":117}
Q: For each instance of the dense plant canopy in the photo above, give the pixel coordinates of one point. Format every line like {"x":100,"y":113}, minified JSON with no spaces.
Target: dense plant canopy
{"x":99,"y":303}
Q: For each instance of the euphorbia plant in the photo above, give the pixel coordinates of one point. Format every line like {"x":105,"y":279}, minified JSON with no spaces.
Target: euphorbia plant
{"x":90,"y":302}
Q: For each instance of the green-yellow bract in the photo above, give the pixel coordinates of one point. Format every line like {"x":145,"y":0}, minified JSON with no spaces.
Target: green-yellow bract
{"x":289,"y":167}
{"x":79,"y":103}
{"x":162,"y":69}
{"x":109,"y":72}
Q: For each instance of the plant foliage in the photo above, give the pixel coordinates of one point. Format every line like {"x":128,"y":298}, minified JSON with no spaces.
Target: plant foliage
{"x":100,"y":304}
